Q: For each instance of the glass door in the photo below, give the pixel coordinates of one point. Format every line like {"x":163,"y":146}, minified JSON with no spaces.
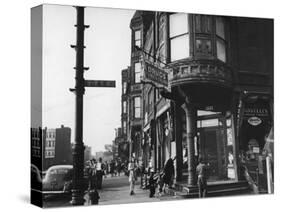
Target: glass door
{"x":213,"y":149}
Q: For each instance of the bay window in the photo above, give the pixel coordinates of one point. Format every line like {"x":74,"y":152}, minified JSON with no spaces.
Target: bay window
{"x":124,"y":87}
{"x":179,"y":36}
{"x":124,"y":107}
{"x":220,"y":39}
{"x":137,"y":109}
{"x":137,"y":37}
{"x":137,"y":72}
{"x":124,"y":127}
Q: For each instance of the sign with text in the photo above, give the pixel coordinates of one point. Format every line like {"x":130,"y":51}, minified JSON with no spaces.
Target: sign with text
{"x":155,"y":74}
{"x":99,"y":83}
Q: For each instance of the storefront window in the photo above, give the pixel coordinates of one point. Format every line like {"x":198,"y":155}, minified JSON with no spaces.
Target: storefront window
{"x":179,"y":36}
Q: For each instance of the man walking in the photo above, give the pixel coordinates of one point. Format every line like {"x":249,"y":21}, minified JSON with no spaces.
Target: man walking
{"x":201,"y":171}
{"x":99,"y":173}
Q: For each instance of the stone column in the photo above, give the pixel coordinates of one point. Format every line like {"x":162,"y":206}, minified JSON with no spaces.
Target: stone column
{"x":178,"y":140}
{"x":190,"y":113}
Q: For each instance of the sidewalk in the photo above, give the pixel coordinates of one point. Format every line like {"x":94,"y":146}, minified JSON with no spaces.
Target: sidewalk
{"x":120,"y":194}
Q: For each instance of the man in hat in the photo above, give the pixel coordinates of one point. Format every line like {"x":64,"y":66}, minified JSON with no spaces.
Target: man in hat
{"x":201,"y":171}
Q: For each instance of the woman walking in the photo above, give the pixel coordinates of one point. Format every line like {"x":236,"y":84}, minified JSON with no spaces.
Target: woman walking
{"x":132,"y":175}
{"x":169,"y":172}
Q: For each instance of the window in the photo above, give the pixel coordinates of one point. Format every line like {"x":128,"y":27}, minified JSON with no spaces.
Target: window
{"x":124,"y":107}
{"x":220,"y":39}
{"x":137,"y":72}
{"x":179,"y":36}
{"x":124,"y":127}
{"x":138,"y":38}
{"x":137,"y":108}
{"x":124,"y":87}
{"x":150,"y":100}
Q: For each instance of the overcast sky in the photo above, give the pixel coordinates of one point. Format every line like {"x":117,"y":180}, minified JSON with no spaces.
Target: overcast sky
{"x":107,"y":52}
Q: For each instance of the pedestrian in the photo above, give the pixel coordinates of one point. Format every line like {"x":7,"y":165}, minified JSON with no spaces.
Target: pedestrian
{"x":201,"y":171}
{"x":115,"y":167}
{"x":112,"y":168}
{"x":152,"y":183}
{"x":168,"y":173}
{"x":132,"y":176}
{"x":142,"y":171}
{"x":105,"y":169}
{"x":93,"y":174}
{"x":93,"y":197}
{"x":119,"y":167}
{"x":99,"y":173}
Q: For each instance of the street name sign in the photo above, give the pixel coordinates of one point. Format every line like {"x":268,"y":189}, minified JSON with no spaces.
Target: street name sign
{"x":99,"y":83}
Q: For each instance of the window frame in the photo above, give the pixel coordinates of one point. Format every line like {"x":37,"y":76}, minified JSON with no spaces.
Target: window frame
{"x":124,"y":106}
{"x":174,"y":37}
{"x":137,"y":107}
{"x":124,"y":87}
{"x":219,"y":38}
{"x":137,"y":40}
{"x":137,"y":73}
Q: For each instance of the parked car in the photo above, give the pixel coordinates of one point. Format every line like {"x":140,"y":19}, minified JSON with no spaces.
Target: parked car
{"x":36,"y":180}
{"x":58,"y":180}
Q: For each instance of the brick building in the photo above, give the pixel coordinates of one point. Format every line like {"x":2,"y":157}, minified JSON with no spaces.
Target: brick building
{"x":215,"y":96}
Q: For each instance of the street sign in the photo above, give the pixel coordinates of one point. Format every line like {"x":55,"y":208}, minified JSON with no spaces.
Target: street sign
{"x":99,"y":83}
{"x":155,"y":74}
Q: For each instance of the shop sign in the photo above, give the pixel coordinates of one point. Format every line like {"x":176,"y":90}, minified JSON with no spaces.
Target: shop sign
{"x":256,"y":112}
{"x":254,"y":121}
{"x":156,"y":75}
{"x":256,"y":150}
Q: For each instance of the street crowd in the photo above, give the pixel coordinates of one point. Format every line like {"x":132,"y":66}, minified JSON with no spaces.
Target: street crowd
{"x":159,"y":181}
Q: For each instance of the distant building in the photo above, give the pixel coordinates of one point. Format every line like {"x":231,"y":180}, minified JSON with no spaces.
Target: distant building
{"x":49,"y":138}
{"x":99,"y":155}
{"x":87,"y":153}
{"x":50,"y":147}
{"x":63,"y":154}
{"x":106,"y":156}
{"x":120,"y":145}
{"x":36,"y":147}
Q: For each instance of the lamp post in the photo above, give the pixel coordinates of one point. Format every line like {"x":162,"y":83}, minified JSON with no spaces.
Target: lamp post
{"x":79,"y":90}
{"x":78,"y":151}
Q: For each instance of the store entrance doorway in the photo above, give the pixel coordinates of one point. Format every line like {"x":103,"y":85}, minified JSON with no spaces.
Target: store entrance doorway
{"x":212,"y":147}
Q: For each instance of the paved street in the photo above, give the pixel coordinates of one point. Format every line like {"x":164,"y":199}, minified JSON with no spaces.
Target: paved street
{"x":115,"y":190}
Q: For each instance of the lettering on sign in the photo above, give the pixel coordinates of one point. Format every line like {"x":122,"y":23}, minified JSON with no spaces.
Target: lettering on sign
{"x":256,"y":112}
{"x":254,"y":121}
{"x":155,"y":74}
{"x":256,"y":150}
{"x":99,"y":83}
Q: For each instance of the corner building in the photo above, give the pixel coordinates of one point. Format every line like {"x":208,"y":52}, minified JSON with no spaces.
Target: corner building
{"x":218,"y":104}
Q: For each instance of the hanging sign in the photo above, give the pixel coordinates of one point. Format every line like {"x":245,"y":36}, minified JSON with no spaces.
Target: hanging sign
{"x":254,"y":121}
{"x":155,"y":74}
